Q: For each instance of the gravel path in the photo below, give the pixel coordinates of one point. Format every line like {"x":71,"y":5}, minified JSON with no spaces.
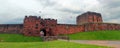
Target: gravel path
{"x":114,"y":44}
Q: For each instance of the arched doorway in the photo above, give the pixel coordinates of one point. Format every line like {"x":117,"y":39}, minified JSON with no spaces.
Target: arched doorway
{"x":44,"y":31}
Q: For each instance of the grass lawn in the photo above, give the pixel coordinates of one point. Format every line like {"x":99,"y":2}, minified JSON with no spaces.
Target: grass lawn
{"x":18,"y":38}
{"x":96,"y":35}
{"x":51,"y":44}
{"x":20,"y":41}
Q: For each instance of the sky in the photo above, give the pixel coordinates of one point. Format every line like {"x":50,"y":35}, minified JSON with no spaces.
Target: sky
{"x":65,"y":11}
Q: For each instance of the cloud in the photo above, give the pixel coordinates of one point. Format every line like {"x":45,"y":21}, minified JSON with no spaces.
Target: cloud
{"x":65,"y":11}
{"x":47,"y":2}
{"x":111,"y":10}
{"x":69,"y":10}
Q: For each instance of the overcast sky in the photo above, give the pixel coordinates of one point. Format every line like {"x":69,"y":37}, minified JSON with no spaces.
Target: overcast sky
{"x":65,"y":11}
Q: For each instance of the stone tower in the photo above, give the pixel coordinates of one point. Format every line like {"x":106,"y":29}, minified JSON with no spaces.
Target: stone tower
{"x":89,"y":17}
{"x":33,"y":25}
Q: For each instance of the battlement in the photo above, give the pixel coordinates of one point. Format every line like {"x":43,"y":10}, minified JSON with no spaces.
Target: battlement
{"x":32,"y":17}
{"x":35,"y":17}
{"x":49,"y":19}
{"x":92,"y":13}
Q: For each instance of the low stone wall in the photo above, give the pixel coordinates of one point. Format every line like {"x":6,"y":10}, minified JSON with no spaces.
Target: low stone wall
{"x":51,"y":38}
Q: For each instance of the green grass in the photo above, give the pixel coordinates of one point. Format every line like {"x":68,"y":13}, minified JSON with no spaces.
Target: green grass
{"x":96,"y":35}
{"x":51,"y":44}
{"x":18,"y":38}
{"x":20,"y":41}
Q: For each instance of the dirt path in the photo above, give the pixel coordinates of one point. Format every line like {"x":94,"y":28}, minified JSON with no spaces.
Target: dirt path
{"x":114,"y":44}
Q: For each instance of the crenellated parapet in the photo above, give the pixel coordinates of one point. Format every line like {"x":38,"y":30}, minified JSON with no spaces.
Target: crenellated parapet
{"x":50,"y":22}
{"x":31,"y":18}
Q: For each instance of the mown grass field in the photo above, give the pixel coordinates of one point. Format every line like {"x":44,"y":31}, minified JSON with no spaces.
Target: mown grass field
{"x":20,"y":41}
{"x":18,"y":38}
{"x":51,"y":44}
{"x":96,"y":35}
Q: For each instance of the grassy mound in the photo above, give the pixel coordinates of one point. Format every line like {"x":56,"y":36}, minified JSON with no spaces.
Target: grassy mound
{"x":17,"y":38}
{"x":51,"y":44}
{"x":96,"y":35}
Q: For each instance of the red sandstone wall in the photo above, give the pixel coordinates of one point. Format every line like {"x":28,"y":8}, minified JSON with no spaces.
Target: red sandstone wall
{"x":89,"y":17}
{"x":101,"y":26}
{"x":11,"y":28}
{"x":32,"y":26}
{"x":52,"y":28}
{"x":49,"y":22}
{"x":68,"y":29}
{"x":93,"y":22}
{"x":81,"y":19}
{"x":31,"y":22}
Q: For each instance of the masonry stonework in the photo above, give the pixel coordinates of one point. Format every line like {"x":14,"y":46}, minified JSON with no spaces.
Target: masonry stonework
{"x":33,"y":25}
{"x":89,"y":17}
{"x":11,"y":28}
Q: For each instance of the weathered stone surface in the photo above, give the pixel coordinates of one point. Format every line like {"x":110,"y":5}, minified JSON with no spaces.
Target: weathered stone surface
{"x":89,"y":17}
{"x":33,"y":25}
{"x":89,"y":21}
{"x":11,"y":28}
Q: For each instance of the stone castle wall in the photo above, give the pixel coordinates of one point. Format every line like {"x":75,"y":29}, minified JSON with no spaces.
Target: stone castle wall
{"x":33,"y":25}
{"x":69,"y":28}
{"x":89,"y":21}
{"x":101,"y":26}
{"x":11,"y":28}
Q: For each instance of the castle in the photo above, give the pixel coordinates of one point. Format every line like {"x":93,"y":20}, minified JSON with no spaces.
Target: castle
{"x":33,"y":25}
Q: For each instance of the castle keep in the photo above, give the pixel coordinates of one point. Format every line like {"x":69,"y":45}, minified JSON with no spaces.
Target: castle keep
{"x":89,"y":17}
{"x":33,"y":25}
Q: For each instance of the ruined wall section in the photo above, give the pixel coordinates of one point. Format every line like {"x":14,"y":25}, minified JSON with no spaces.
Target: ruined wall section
{"x":33,"y":25}
{"x":82,"y":19}
{"x":68,"y":29}
{"x":101,"y":26}
{"x":89,"y":21}
{"x":11,"y":28}
{"x":71,"y":29}
{"x":49,"y":22}
{"x":49,"y":26}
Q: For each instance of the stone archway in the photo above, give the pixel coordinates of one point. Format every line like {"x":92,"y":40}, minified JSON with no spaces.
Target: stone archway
{"x":44,"y":31}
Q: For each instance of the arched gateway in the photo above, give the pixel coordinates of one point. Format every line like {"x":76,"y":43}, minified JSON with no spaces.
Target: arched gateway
{"x":43,"y":32}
